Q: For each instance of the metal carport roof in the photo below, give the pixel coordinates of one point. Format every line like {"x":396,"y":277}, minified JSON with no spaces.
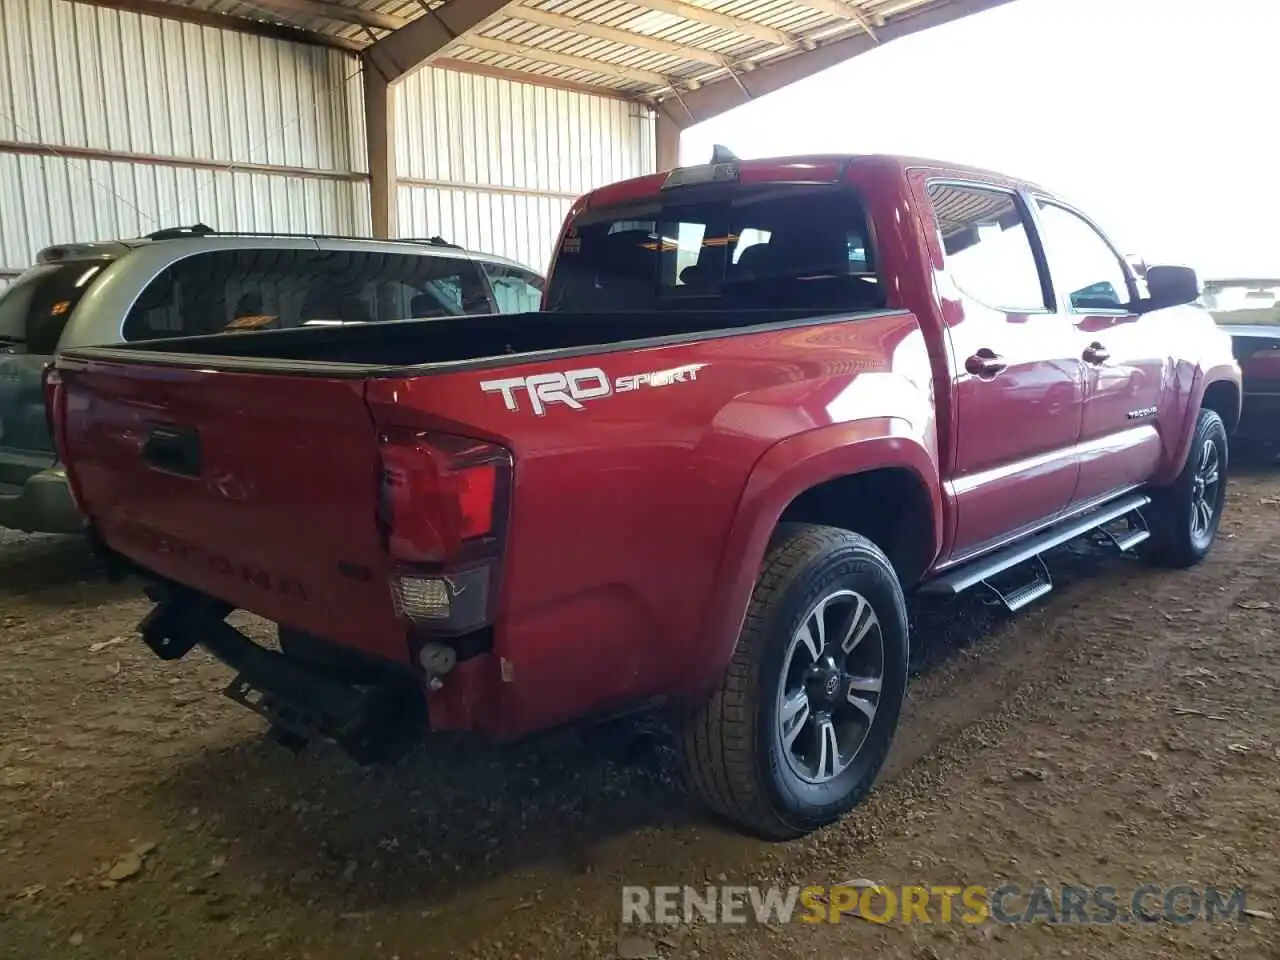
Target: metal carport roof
{"x":689,"y":59}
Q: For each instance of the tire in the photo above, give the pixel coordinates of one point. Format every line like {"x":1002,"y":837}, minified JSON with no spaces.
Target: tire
{"x":1181,"y":537}
{"x":732,"y":747}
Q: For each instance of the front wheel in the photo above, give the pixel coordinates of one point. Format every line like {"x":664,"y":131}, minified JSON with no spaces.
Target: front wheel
{"x":1184,"y":516}
{"x":801,"y":723}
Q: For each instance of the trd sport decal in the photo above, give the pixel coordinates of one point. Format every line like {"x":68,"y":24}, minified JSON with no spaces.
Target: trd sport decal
{"x":575,"y":386}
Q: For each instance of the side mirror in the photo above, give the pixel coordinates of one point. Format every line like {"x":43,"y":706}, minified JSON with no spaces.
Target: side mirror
{"x":1172,"y":286}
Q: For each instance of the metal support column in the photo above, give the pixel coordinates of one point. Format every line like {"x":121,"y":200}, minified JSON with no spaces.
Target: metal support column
{"x":380,"y":134}
{"x":667,"y":134}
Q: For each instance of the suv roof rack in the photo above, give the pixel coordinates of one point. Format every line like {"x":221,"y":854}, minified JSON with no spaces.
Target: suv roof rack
{"x":202,"y":230}
{"x":173,"y":233}
{"x":433,"y":241}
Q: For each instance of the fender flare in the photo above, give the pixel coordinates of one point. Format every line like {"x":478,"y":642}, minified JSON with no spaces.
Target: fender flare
{"x":782,"y":473}
{"x":1204,"y":378}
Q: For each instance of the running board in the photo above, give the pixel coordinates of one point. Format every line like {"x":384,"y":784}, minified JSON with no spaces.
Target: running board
{"x":987,"y":566}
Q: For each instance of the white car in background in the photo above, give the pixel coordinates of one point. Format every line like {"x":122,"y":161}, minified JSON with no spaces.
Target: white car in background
{"x":194,"y":280}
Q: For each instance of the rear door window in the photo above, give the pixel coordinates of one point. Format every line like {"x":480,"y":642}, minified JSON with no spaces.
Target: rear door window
{"x":35,"y":307}
{"x":770,"y":246}
{"x":988,"y":250}
{"x":229,"y":290}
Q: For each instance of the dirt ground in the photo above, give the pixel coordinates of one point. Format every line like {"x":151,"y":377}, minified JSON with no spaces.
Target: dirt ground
{"x":1124,"y":731}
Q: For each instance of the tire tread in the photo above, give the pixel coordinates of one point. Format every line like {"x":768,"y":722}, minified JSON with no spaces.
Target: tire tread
{"x":718,"y":741}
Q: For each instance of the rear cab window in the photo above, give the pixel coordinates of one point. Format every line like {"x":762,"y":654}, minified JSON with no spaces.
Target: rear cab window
{"x":746,"y":247}
{"x":260,"y":289}
{"x":35,"y":307}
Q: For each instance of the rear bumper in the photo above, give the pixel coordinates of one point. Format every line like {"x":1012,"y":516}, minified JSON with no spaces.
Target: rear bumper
{"x":43,"y":504}
{"x":374,"y":712}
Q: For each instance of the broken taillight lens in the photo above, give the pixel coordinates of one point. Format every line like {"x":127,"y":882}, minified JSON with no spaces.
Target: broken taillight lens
{"x":444,"y":517}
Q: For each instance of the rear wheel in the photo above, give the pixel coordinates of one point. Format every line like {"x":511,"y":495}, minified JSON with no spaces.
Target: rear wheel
{"x":800,"y":725}
{"x":1184,"y":516}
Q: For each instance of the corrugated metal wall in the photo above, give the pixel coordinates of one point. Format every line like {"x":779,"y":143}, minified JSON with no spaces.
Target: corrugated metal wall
{"x":494,"y":165}
{"x":114,"y":124}
{"x":147,"y":123}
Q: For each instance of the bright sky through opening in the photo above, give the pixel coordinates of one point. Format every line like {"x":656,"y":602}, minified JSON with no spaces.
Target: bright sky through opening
{"x":1157,"y":117}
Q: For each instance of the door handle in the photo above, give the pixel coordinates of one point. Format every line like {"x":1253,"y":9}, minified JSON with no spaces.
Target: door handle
{"x":985,"y":363}
{"x":1096,"y":353}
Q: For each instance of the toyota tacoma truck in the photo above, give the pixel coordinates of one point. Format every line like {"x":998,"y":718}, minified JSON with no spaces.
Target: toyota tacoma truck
{"x":762,"y":402}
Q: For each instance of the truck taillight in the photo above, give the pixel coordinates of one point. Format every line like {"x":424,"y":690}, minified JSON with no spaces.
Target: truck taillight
{"x":444,"y":508}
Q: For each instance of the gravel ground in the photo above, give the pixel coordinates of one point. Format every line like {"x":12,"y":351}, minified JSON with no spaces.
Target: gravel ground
{"x":1125,"y":731}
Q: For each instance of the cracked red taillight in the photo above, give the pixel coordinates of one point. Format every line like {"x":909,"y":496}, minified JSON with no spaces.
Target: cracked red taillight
{"x":444,"y":511}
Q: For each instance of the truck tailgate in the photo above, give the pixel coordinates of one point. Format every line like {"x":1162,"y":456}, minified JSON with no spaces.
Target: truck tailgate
{"x":260,"y":490}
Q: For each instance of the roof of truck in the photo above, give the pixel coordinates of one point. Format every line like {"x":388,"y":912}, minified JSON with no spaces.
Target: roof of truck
{"x":804,"y":167}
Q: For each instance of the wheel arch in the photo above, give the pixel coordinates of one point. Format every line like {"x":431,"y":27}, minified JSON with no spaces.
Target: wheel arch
{"x":1223,"y":398}
{"x":807,"y":478}
{"x":1216,"y":388}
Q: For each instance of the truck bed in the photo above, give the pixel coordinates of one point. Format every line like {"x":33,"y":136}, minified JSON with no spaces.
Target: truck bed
{"x":363,"y":349}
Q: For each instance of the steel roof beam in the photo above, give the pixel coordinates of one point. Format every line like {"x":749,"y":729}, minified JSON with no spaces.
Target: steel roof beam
{"x":411,"y":46}
{"x":330,"y":10}
{"x":275,"y":29}
{"x":526,"y":75}
{"x":845,"y":10}
{"x":538,"y":55}
{"x":599,"y":31}
{"x":713,"y":18}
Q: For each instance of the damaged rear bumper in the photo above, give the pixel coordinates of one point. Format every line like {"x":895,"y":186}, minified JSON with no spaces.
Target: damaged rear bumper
{"x":374,"y":712}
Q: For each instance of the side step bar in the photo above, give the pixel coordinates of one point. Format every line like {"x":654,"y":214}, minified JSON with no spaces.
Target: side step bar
{"x":982,"y":569}
{"x":1030,"y":590}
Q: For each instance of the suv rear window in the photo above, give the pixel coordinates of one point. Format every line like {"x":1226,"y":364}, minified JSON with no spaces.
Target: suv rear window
{"x":35,"y":307}
{"x":773,"y":246}
{"x":225,"y":290}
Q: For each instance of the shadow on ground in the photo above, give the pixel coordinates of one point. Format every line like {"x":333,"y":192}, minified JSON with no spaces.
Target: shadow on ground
{"x":455,"y":814}
{"x":30,"y":562}
{"x":460,"y":814}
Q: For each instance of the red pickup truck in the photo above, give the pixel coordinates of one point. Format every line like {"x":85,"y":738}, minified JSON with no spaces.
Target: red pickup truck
{"x":763,"y":402}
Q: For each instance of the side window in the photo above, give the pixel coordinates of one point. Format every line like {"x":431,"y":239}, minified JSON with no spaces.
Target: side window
{"x":358,"y":286}
{"x":1085,"y":270}
{"x":221,"y":290}
{"x":988,"y":251}
{"x":257,"y":289}
{"x":514,"y":290}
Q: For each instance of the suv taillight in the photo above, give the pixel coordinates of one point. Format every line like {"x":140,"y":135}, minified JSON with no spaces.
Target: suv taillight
{"x":51,"y":385}
{"x":444,"y":512}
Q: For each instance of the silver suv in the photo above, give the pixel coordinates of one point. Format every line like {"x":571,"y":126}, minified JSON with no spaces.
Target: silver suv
{"x":191,"y":281}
